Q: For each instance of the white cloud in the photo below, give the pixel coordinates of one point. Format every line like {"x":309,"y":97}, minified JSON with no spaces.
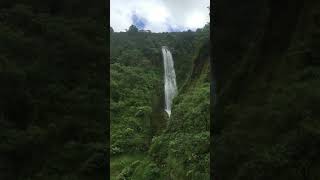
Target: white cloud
{"x":195,"y":20}
{"x":160,"y":14}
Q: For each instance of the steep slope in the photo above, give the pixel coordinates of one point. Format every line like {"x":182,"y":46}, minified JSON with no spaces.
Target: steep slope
{"x":265,"y":123}
{"x":52,"y":105}
{"x":182,"y":150}
{"x":170,"y":142}
{"x":137,"y":95}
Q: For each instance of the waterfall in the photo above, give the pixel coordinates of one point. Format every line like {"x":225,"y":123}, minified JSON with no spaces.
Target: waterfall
{"x":170,"y":86}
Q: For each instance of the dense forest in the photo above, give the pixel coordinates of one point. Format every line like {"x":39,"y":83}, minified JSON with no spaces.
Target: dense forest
{"x":264,"y":77}
{"x":266,"y":72}
{"x":53,"y":108}
{"x":145,"y":142}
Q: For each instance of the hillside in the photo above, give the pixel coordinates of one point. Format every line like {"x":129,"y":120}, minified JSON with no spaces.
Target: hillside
{"x":52,"y":96}
{"x":266,"y":70}
{"x":141,"y":132}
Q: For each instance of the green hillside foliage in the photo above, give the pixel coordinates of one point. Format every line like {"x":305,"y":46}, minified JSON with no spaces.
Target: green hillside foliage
{"x":131,"y":94}
{"x":266,"y":122}
{"x":175,"y":148}
{"x":52,"y":114}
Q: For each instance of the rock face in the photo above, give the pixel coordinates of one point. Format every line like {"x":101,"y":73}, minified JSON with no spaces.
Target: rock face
{"x":182,"y":149}
{"x":266,"y":71}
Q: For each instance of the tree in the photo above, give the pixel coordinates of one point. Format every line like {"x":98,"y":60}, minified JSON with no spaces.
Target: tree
{"x":133,"y":29}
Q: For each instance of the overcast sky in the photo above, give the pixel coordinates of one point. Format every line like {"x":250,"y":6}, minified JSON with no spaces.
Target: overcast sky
{"x":159,"y":15}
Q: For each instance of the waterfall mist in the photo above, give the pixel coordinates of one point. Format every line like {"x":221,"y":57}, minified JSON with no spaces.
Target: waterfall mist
{"x":170,"y":86}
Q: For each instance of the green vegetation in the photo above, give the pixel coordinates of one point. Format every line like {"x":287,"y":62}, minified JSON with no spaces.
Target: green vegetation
{"x":175,"y":148}
{"x":52,"y":74}
{"x":266,"y":122}
{"x":131,"y":92}
{"x":120,"y":165}
{"x":53,"y":114}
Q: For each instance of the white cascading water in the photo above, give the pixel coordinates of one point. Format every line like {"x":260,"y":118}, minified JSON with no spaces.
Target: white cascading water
{"x":170,"y":85}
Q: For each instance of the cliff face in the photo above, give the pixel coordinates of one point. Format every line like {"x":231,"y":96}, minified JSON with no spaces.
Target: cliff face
{"x":182,"y":150}
{"x":175,"y":148}
{"x":266,"y":70}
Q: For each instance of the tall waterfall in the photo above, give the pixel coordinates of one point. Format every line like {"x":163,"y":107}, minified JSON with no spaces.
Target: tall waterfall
{"x":170,"y":86}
